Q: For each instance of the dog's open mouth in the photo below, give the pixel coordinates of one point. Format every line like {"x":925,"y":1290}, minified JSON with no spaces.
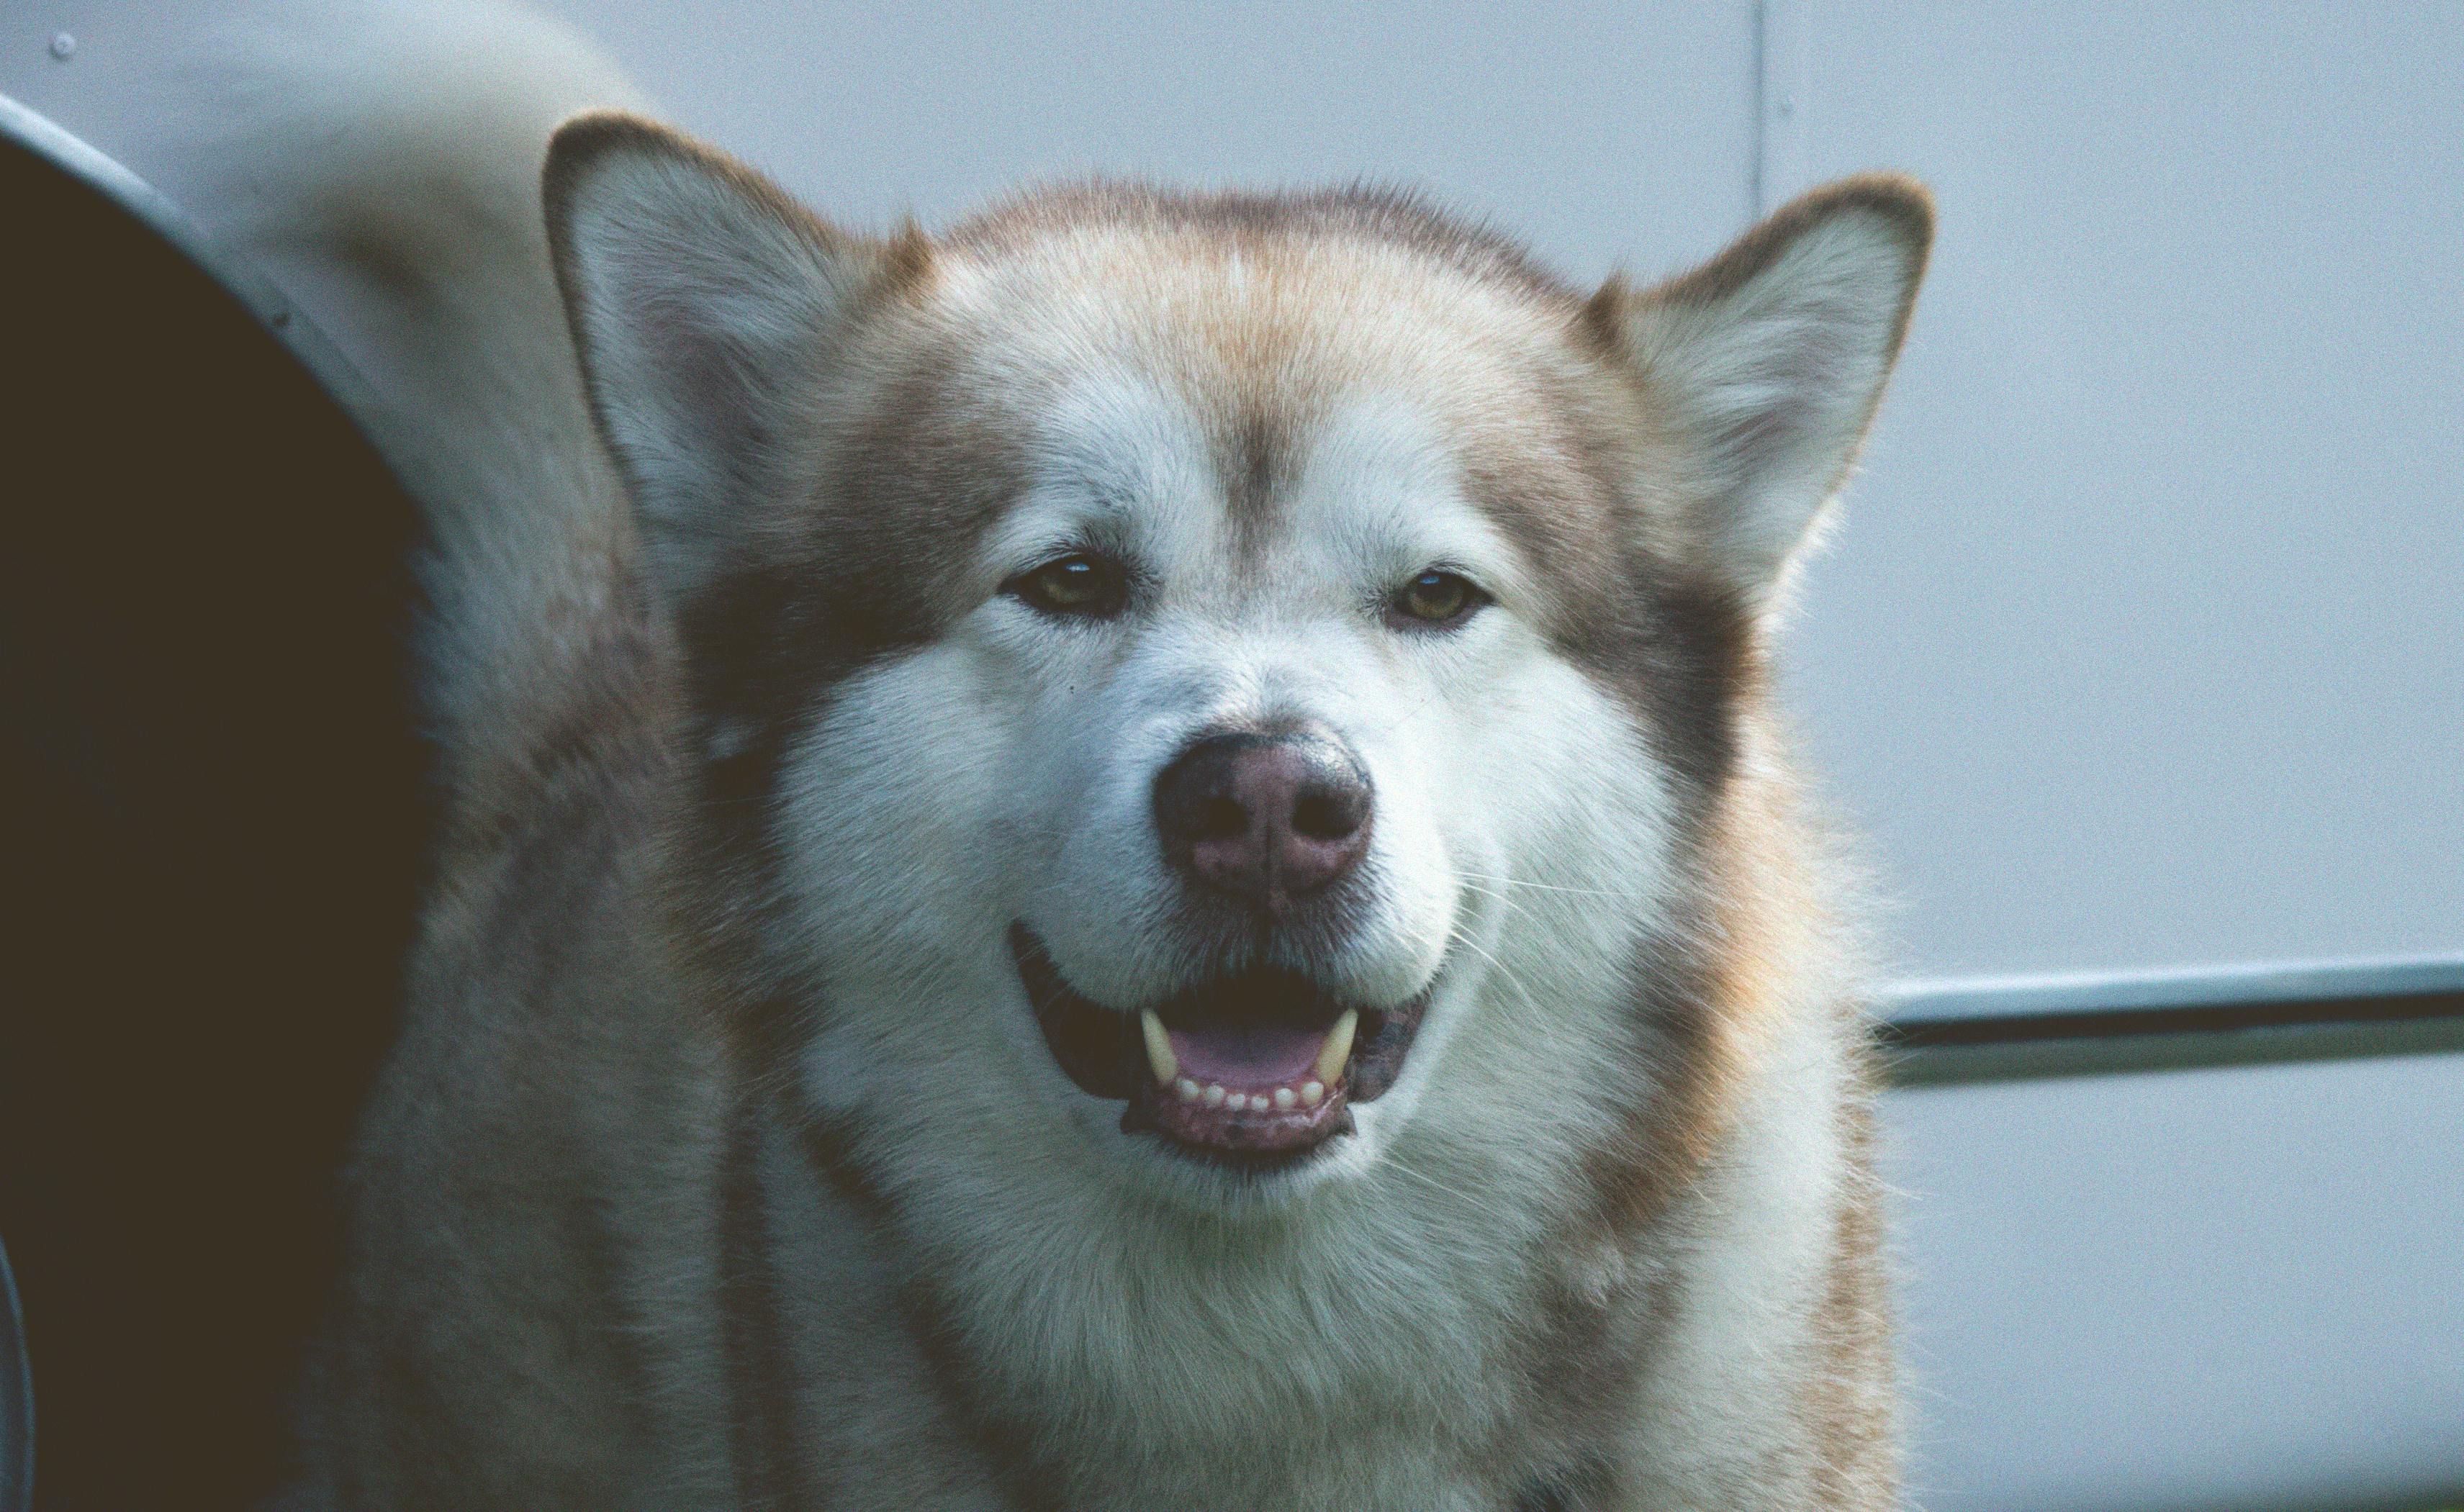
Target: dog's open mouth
{"x":1258,"y":1068}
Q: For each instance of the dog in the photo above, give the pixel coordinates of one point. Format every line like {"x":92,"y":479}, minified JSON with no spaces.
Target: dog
{"x":1132,"y":853}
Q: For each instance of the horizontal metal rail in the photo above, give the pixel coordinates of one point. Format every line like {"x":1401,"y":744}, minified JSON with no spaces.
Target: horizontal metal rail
{"x":2022,"y":1028}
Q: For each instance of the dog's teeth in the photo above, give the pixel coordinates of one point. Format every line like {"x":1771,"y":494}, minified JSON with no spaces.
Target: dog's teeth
{"x":1185,"y":1089}
{"x":1339,"y":1047}
{"x":1159,"y":1057}
{"x":1286,"y":1096}
{"x":1214,"y":1095}
{"x":1312,"y":1093}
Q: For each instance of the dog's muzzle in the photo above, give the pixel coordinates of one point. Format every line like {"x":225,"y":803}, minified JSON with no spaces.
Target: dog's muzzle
{"x":1263,"y":828}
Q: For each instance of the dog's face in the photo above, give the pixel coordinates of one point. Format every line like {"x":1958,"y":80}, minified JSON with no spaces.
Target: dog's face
{"x":1187,"y":690}
{"x":1242,"y":699}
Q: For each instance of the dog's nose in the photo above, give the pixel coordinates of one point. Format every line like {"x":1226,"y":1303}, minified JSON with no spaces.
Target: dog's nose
{"x":1269,"y":819}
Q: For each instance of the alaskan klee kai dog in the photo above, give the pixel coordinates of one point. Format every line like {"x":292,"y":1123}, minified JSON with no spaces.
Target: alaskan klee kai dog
{"x":1128,"y":855}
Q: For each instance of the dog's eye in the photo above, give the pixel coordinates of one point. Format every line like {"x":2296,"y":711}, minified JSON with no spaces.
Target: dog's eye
{"x":1435,"y":600}
{"x":1082,"y":584}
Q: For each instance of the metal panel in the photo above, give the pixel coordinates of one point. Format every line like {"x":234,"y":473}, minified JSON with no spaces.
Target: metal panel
{"x":2181,"y":1292}
{"x":2185,"y":1292}
{"x":2142,"y":647}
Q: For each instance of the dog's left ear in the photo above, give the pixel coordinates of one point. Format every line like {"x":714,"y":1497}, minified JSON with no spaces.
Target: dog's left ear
{"x":1768,"y":363}
{"x":707,"y":308}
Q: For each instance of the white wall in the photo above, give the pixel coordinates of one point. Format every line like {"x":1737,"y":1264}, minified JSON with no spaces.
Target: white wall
{"x":2144,"y":644}
{"x":1611,"y":133}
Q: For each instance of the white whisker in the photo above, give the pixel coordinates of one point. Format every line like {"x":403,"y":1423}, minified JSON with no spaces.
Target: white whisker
{"x":1551,"y":887}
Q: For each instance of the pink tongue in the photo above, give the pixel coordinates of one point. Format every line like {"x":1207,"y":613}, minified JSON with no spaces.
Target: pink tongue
{"x":1246,"y":1054}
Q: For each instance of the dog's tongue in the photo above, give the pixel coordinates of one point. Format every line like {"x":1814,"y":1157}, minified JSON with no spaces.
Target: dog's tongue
{"x":1245,"y":1053}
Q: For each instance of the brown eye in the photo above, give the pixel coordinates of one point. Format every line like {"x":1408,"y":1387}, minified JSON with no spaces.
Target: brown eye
{"x":1080,"y":584}
{"x":1435,"y":600}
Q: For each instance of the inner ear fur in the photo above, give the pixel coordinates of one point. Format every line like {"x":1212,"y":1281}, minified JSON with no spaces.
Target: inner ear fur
{"x":1766,"y":365}
{"x":707,"y":308}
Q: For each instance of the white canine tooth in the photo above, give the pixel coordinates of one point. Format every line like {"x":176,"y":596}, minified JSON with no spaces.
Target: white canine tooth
{"x":1214,"y":1095}
{"x":1185,"y":1089}
{"x":1159,"y":1057}
{"x":1339,"y":1047}
{"x":1284,"y":1097}
{"x":1312,"y":1093}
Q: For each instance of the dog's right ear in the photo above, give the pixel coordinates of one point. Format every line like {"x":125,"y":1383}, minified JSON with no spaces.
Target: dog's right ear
{"x":706,"y":306}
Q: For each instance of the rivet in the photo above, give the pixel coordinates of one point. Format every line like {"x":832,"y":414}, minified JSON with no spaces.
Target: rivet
{"x":63,"y":46}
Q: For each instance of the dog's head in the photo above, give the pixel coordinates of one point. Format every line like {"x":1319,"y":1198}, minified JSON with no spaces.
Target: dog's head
{"x":1193,"y":683}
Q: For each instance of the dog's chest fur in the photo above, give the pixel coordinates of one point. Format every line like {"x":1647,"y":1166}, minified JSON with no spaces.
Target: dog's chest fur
{"x":1464,"y":1370}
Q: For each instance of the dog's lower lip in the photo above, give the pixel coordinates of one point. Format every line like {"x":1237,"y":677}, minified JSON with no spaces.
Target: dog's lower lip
{"x":1273,"y":1062}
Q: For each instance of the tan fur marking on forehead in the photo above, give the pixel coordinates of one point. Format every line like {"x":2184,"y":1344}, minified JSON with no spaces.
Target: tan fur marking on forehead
{"x":1356,"y":213}
{"x":1261,"y":321}
{"x":1266,"y":316}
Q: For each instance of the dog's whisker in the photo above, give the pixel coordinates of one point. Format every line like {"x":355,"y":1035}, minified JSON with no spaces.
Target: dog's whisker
{"x":1551,"y":887}
{"x":1462,"y":937}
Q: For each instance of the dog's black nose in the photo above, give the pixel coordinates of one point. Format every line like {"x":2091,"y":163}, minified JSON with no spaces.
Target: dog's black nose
{"x":1272,"y":818}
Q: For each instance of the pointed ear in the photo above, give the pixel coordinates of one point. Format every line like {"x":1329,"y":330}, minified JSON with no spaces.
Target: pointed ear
{"x":1769,"y":361}
{"x":706,"y":306}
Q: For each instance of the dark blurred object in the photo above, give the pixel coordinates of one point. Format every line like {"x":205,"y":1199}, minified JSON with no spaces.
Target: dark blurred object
{"x":213,"y":801}
{"x":16,"y":1400}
